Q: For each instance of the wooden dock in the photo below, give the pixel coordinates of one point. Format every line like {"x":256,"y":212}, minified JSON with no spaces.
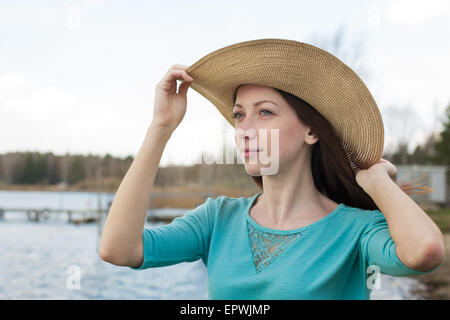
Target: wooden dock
{"x":88,"y":216}
{"x":45,"y":214}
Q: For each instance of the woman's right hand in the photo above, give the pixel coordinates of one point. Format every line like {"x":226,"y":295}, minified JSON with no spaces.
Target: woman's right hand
{"x":170,"y":106}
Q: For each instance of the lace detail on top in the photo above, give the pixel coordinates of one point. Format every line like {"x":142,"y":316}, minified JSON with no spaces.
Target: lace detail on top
{"x":266,"y":246}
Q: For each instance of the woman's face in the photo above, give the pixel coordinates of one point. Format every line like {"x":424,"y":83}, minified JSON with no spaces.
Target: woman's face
{"x":271,"y":126}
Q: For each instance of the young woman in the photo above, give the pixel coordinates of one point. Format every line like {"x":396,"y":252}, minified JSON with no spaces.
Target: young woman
{"x":319,"y":229}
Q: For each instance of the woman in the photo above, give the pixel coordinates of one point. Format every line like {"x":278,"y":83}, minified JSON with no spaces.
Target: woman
{"x":315,"y":232}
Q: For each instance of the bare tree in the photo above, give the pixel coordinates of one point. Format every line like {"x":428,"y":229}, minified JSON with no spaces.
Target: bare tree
{"x":402,"y":123}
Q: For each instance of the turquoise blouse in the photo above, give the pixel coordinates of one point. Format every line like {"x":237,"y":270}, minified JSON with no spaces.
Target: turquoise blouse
{"x":339,"y":256}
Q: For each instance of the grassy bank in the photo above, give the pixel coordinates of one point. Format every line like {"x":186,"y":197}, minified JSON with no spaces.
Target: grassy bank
{"x":178,"y":201}
{"x":441,"y":218}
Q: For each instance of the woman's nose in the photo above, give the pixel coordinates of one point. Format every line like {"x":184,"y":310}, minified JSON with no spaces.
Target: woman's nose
{"x":246,"y":138}
{"x":247,"y":124}
{"x":240,"y":133}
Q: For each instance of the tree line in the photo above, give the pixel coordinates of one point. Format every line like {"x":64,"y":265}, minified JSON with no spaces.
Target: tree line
{"x":86,"y":171}
{"x":28,"y":168}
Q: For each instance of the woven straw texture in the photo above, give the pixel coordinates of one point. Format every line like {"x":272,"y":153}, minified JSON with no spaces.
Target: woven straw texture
{"x":306,"y":71}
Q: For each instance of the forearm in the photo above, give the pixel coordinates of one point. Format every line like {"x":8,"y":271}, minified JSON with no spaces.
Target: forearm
{"x":122,"y":232}
{"x":419,"y":241}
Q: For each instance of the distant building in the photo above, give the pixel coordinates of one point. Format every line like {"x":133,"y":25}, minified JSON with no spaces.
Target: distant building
{"x":62,"y":185}
{"x":434,"y":177}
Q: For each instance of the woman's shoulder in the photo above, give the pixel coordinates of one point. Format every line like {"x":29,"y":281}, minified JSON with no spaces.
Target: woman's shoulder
{"x":230,"y":206}
{"x":228,"y":202}
{"x":215,"y":207}
{"x":358,"y":210}
{"x":361,"y":215}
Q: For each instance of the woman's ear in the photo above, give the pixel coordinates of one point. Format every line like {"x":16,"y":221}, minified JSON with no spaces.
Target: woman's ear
{"x":311,"y":137}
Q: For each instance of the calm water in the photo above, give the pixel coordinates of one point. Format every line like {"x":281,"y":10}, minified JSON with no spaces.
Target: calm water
{"x":36,"y":259}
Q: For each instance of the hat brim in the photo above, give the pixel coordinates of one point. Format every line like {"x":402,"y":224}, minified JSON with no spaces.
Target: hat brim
{"x":306,"y":71}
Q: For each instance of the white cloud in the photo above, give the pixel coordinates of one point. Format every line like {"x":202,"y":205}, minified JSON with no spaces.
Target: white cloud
{"x":20,"y":96}
{"x":14,"y":85}
{"x":46,"y":118}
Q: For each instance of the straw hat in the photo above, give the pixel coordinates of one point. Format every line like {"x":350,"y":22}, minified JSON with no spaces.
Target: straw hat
{"x":306,"y":71}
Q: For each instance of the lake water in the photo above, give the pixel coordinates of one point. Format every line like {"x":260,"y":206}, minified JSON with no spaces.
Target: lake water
{"x":42,"y":260}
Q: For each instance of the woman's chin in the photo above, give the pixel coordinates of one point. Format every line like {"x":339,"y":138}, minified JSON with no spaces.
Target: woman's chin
{"x":253,"y":169}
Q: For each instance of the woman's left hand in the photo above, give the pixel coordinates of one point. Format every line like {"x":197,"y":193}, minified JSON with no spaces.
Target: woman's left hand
{"x":363,"y":176}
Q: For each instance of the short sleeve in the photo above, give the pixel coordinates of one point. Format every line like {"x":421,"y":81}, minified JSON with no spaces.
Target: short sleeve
{"x":379,"y":249}
{"x":185,"y":239}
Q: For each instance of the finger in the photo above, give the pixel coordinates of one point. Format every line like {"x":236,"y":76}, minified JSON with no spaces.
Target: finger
{"x":179,"y":66}
{"x":179,"y":75}
{"x":389,"y":170}
{"x":393,"y":172}
{"x":173,"y":68}
{"x":182,"y":90}
{"x":184,"y":75}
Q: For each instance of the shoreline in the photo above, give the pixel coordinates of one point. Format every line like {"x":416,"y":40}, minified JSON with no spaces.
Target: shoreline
{"x":180,"y":200}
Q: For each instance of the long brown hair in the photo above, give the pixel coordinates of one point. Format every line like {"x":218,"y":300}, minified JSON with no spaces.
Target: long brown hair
{"x":331,"y":170}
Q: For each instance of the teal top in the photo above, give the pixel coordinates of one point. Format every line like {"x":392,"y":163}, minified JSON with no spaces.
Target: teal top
{"x":339,"y":256}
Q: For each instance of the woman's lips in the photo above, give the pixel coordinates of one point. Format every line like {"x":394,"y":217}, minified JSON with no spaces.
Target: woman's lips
{"x":248,"y":151}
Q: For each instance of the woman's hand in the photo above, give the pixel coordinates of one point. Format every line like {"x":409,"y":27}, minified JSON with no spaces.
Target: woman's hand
{"x":170,"y":106}
{"x":364,"y":176}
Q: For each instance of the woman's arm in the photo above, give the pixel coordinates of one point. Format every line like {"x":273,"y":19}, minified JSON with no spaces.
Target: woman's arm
{"x":121,"y":241}
{"x":419,"y":242}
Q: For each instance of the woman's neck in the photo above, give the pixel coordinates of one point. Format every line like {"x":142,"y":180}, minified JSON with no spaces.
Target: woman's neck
{"x":285,"y":200}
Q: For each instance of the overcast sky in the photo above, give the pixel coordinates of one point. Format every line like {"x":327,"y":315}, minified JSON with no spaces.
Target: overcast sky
{"x":79,"y":76}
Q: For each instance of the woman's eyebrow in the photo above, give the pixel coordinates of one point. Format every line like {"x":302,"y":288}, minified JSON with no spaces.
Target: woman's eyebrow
{"x":256,"y":103}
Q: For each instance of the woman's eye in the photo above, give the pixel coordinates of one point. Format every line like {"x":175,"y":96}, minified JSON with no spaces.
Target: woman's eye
{"x":235,"y":114}
{"x":266,"y":110}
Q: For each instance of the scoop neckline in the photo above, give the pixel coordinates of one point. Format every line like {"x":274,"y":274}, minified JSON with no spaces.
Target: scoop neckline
{"x":301,"y":229}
